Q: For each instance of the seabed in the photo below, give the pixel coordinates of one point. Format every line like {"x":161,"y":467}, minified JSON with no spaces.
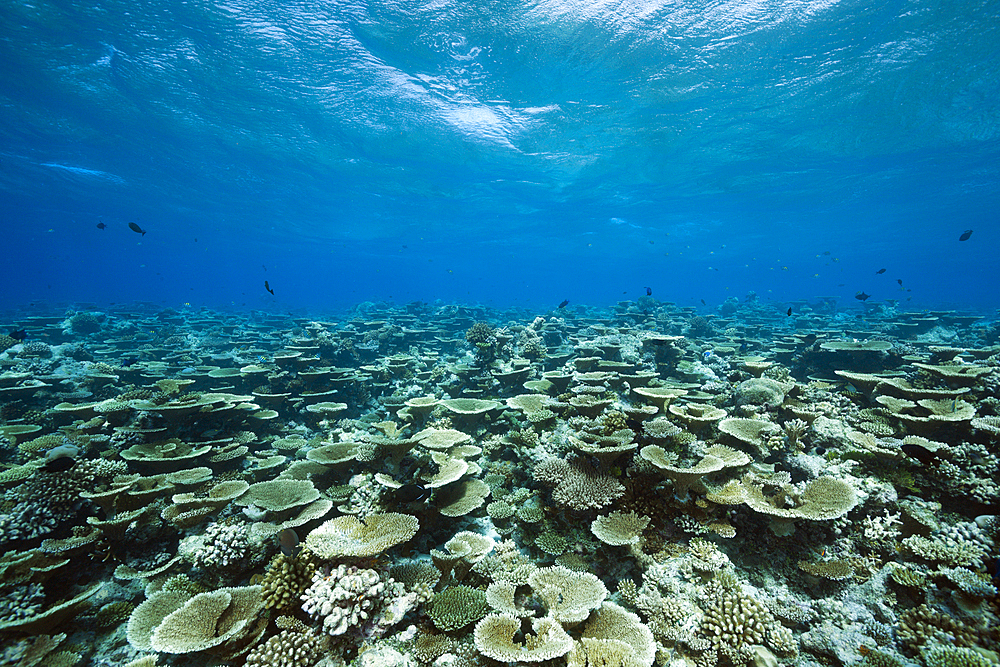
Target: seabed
{"x":461,"y":486}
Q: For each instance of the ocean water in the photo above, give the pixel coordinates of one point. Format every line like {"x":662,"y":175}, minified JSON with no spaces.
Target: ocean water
{"x":464,"y":334}
{"x":504,"y":153}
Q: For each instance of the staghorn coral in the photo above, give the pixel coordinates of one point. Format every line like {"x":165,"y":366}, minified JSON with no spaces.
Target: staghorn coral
{"x":456,"y":607}
{"x":577,"y":484}
{"x":955,"y":656}
{"x":922,"y":625}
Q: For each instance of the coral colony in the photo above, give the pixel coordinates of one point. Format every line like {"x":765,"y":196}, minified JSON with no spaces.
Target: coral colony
{"x":459,"y":487}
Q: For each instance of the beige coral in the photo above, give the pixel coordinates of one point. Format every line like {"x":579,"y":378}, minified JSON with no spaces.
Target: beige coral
{"x":208,"y":620}
{"x":568,"y":596}
{"x":494,"y":638}
{"x":349,"y":536}
{"x":619,"y":528}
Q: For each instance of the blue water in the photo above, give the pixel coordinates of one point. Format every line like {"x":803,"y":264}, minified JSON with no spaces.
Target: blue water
{"x":507,"y":153}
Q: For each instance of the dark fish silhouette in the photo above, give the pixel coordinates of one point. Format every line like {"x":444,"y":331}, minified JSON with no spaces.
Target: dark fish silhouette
{"x":861,"y":296}
{"x":128,"y":361}
{"x":288,"y":541}
{"x":965,"y":235}
{"x":268,"y":287}
{"x":59,"y":464}
{"x":649,"y":291}
{"x":900,"y":281}
{"x":136,"y":228}
{"x":789,"y":311}
{"x":18,"y":334}
{"x":920,"y":453}
{"x":880,"y":271}
{"x":703,"y":302}
{"x":564,"y":303}
{"x":101,"y":225}
{"x":411,"y":493}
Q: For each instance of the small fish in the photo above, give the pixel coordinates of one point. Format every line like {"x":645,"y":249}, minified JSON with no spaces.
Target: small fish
{"x":128,"y":361}
{"x":268,"y":287}
{"x":649,"y":291}
{"x":59,"y":464}
{"x":861,"y":296}
{"x":789,"y":311}
{"x":920,"y":453}
{"x":880,"y":272}
{"x":564,"y":303}
{"x":288,"y":540}
{"x":826,"y":252}
{"x":411,"y":493}
{"x":993,"y":569}
{"x":101,"y":225}
{"x":703,"y":302}
{"x":136,"y":228}
{"x":18,"y":334}
{"x":966,"y":235}
{"x":900,"y":281}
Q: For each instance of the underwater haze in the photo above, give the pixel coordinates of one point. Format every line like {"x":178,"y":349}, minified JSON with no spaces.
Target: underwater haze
{"x":497,"y":152}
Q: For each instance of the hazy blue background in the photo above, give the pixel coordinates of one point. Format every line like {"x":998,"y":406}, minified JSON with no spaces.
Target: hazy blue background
{"x":499,"y":152}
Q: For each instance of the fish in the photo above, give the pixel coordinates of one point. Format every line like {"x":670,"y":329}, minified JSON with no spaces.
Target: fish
{"x":101,"y":225}
{"x":826,"y":252}
{"x":920,"y":453}
{"x":136,"y":228}
{"x":18,"y":334}
{"x":411,"y":493}
{"x":564,"y":303}
{"x":789,"y":311}
{"x":880,"y":272}
{"x":649,"y":291}
{"x":993,"y":569}
{"x":900,"y":281}
{"x":59,"y":464}
{"x":288,"y":541}
{"x":965,"y":235}
{"x":861,"y":296}
{"x":268,"y":287}
{"x":703,"y":302}
{"x":128,"y":361}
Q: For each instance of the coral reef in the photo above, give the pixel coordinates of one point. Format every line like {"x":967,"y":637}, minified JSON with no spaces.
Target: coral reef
{"x":471,"y":485}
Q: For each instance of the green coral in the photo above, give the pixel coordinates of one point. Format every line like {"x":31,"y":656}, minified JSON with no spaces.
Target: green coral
{"x":955,"y":656}
{"x":456,"y":607}
{"x":113,"y":614}
{"x":286,"y":578}
{"x":500,"y":509}
{"x":552,"y":543}
{"x":875,"y":658}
